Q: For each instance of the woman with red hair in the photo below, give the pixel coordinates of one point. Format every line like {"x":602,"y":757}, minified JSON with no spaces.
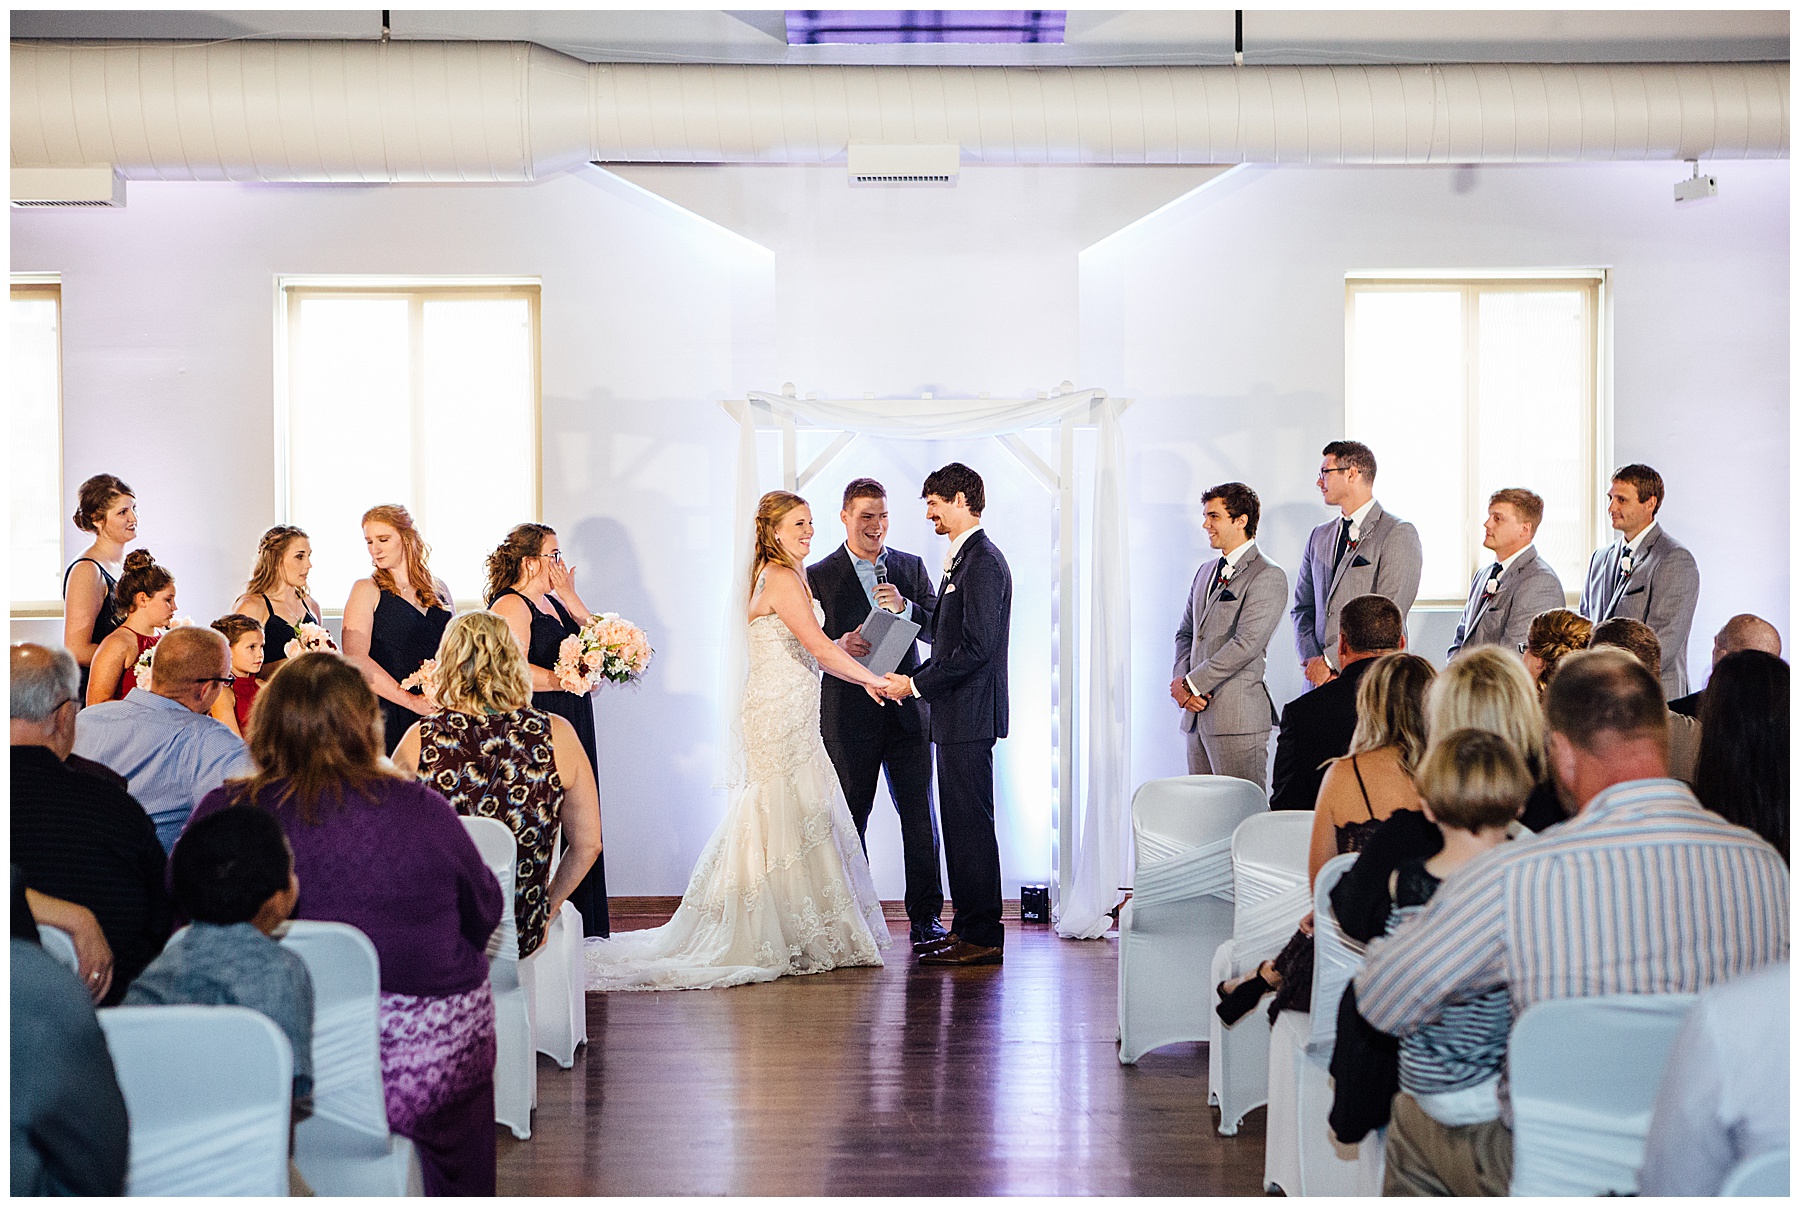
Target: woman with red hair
{"x":395,"y":617}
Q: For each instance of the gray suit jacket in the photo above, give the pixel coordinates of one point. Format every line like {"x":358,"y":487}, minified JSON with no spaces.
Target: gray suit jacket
{"x":1527,"y":587}
{"x":1222,"y":646}
{"x":1386,"y":560}
{"x":1663,"y":588}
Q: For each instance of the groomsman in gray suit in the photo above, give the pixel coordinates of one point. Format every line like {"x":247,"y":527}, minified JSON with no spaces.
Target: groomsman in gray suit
{"x":1646,"y":574}
{"x":1506,"y":596}
{"x":1222,"y":646}
{"x":1365,"y":551}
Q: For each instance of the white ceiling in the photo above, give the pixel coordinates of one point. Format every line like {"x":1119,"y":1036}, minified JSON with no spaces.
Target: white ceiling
{"x":1093,"y":37}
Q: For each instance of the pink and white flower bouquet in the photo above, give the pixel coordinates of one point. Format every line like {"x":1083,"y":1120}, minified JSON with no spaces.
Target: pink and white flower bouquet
{"x":425,"y":679}
{"x":607,"y":648}
{"x":309,"y":638}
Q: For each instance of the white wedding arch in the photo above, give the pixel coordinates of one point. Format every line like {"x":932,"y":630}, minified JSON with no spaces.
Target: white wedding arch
{"x":1091,"y":847}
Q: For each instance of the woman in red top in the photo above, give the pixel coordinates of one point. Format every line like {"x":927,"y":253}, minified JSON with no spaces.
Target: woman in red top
{"x":146,"y":597}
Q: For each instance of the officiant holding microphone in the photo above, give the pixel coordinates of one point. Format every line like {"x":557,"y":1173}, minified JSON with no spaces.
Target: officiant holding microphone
{"x":862,"y":736}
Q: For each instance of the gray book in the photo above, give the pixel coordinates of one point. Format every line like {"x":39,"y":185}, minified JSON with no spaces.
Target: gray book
{"x":889,"y":636}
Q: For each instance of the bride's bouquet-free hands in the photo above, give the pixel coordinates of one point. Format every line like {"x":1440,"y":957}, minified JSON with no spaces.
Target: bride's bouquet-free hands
{"x":146,"y":660}
{"x":607,"y":649}
{"x":309,"y":638}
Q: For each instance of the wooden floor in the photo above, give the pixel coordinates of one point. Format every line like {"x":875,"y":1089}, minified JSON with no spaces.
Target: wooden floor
{"x":881,"y":1081}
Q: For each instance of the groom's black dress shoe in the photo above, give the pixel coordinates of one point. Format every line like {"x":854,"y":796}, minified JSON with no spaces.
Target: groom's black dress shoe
{"x":961,"y":954}
{"x":930,"y":935}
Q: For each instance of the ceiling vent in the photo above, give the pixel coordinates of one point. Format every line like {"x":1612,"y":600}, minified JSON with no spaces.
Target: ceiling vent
{"x":94,"y":185}
{"x":930,"y":164}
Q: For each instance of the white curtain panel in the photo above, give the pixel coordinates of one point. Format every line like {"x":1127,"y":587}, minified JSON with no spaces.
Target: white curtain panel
{"x":1101,"y":843}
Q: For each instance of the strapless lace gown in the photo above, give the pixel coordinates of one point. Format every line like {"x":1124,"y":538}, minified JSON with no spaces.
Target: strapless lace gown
{"x":783,"y":887}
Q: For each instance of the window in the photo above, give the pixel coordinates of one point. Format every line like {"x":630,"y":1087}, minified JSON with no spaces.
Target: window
{"x":1465,"y":386}
{"x":420,"y":394}
{"x":36,"y":405}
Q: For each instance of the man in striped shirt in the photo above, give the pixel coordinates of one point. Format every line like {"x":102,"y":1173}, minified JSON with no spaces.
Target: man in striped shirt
{"x":1642,"y":891}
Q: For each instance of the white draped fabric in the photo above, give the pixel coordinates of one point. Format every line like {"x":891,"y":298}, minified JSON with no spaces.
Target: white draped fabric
{"x":1100,"y":845}
{"x":1169,"y":871}
{"x":1270,"y":902}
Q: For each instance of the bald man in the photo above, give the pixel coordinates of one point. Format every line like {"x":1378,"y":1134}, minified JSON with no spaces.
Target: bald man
{"x":162,"y":740}
{"x":1741,"y":632}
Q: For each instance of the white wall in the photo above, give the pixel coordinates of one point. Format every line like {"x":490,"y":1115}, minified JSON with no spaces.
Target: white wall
{"x":1222,"y":313}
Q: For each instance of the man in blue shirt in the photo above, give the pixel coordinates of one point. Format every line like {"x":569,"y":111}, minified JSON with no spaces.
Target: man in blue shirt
{"x":162,"y":740}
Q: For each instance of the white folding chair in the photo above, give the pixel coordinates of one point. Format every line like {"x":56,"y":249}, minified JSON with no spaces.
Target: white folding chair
{"x":60,"y":946}
{"x":1764,"y":1176}
{"x":1583,"y":1074}
{"x":1180,"y":907}
{"x":556,"y":977}
{"x":1300,"y":1155}
{"x":207,"y":1092}
{"x":515,"y":1059}
{"x":1268,"y":878}
{"x":345,"y":1148}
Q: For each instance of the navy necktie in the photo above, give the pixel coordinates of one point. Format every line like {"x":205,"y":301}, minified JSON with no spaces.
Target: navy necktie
{"x":1343,"y":543}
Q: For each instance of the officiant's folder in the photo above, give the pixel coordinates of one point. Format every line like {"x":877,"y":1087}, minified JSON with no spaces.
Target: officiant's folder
{"x":889,"y":636}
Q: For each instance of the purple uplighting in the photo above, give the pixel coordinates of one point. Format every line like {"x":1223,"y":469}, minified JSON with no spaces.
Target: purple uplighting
{"x":809,"y":27}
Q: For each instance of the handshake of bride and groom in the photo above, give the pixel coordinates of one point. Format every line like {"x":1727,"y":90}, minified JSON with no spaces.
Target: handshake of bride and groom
{"x":892,"y":687}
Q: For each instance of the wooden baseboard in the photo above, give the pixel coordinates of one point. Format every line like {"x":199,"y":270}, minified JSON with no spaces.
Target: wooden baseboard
{"x":662,"y":907}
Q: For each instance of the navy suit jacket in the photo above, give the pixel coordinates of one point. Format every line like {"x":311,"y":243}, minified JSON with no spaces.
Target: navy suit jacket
{"x":846,"y":714}
{"x":964,"y":681}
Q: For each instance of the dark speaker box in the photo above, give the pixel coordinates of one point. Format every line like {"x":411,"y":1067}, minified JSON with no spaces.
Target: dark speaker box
{"x":1034,"y":903}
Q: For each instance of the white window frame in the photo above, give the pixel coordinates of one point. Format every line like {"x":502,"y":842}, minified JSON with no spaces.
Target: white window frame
{"x":1597,"y":433}
{"x":415,"y":290}
{"x":47,"y":283}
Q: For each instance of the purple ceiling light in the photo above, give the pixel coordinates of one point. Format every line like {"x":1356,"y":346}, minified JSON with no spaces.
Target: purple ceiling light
{"x":809,"y":27}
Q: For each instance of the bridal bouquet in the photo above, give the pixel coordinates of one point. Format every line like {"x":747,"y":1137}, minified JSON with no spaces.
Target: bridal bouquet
{"x":309,"y":638}
{"x":607,"y":648}
{"x":141,"y":670}
{"x":425,"y":679}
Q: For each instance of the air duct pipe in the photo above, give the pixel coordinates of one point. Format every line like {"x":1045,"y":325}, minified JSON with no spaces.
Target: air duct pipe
{"x":487,"y":111}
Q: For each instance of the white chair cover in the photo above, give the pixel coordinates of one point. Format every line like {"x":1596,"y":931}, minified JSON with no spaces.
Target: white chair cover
{"x":556,"y":975}
{"x":207,"y":1092}
{"x":60,"y":945}
{"x":1300,"y":1154}
{"x":1583,"y":1074}
{"x":1764,"y":1176}
{"x":345,"y":1147}
{"x":1180,"y":908}
{"x":1268,"y":870}
{"x":515,"y":1058}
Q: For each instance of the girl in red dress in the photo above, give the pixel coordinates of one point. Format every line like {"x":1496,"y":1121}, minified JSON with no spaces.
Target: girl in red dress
{"x":146,"y":597}
{"x":245,"y":633}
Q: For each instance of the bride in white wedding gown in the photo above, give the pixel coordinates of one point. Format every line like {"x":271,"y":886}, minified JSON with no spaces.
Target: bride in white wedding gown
{"x":783,"y":887}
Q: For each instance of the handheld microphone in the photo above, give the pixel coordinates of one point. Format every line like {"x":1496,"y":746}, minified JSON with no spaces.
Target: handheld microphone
{"x":880,"y":573}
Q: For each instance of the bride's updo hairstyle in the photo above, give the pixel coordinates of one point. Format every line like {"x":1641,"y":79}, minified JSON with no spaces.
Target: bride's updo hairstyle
{"x":506,"y":564}
{"x":314,"y":734}
{"x":140,"y":576}
{"x":418,"y":569}
{"x":266,"y":576}
{"x":771,"y":509}
{"x":479,"y":667}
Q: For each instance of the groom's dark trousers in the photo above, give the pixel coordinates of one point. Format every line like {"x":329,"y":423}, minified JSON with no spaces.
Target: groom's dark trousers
{"x":964,"y":681}
{"x":863,"y":737}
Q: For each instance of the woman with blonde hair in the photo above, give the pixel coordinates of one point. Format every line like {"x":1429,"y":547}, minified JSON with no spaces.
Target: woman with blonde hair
{"x":1553,"y":636}
{"x":145,"y":600}
{"x":387,"y":855}
{"x":106,"y":507}
{"x":1490,"y":689}
{"x":783,"y":887}
{"x":1360,"y":791}
{"x":492,"y":753}
{"x":395,"y":618}
{"x":532,"y":589}
{"x":283,"y":562}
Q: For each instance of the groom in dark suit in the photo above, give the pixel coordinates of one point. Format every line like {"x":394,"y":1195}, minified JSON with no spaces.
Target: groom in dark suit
{"x":861,"y":736}
{"x":965,"y":683}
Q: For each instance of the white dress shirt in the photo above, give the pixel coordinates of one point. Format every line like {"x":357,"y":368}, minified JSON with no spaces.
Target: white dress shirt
{"x":1357,"y":517}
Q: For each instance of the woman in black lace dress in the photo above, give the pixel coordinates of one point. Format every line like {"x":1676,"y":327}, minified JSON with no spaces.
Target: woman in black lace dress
{"x":533,"y":590}
{"x":395,"y":618}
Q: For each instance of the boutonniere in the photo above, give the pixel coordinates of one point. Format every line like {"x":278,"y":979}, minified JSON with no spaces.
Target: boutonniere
{"x":1227,"y":572}
{"x":1492,"y":588}
{"x":949,"y":588}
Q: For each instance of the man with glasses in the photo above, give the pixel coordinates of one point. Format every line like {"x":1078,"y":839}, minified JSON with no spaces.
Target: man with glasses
{"x":162,"y":740}
{"x":1364,"y":551}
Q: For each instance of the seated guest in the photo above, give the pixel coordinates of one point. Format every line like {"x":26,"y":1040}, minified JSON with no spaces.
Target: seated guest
{"x":1741,"y":632}
{"x":1639,"y":640}
{"x":493,"y":755}
{"x":1474,"y":785}
{"x":1361,"y":791}
{"x":146,"y":604}
{"x":1489,"y":689}
{"x":69,"y":1126}
{"x":1724,"y":1095}
{"x":93,"y":954}
{"x":162,"y":740}
{"x":1649,"y":923}
{"x":390,"y":857}
{"x":232,"y":709}
{"x":1554,"y":635}
{"x":1316,"y":726}
{"x":1742,"y":770}
{"x":77,"y":837}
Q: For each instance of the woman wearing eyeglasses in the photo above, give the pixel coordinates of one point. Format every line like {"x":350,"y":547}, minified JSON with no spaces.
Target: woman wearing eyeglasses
{"x":533,"y":591}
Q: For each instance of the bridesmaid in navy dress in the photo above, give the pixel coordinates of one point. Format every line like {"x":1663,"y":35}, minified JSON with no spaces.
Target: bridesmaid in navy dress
{"x":395,"y":617}
{"x":107,"y":508}
{"x":531,"y":589}
{"x":283,"y":562}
